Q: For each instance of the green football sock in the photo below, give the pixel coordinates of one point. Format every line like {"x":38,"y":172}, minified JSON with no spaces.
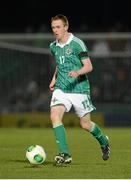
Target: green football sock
{"x":60,"y":135}
{"x":99,"y":135}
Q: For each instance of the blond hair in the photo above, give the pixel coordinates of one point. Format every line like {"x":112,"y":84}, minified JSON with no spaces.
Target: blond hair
{"x":62,"y":18}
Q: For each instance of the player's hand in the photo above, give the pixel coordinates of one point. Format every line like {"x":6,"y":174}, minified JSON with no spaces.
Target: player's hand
{"x":51,"y":86}
{"x":73,"y":74}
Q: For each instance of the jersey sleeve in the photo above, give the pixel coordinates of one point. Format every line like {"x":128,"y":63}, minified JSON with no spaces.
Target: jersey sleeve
{"x":51,"y":49}
{"x":82,"y":50}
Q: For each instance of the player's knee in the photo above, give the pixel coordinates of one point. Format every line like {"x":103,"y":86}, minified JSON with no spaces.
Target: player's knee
{"x":54,"y":118}
{"x":85,"y":125}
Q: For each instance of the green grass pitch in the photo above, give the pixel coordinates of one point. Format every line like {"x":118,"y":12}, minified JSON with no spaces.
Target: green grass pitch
{"x":86,"y":153}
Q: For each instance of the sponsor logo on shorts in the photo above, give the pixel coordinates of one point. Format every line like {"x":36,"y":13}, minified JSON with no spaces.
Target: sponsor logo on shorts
{"x":54,"y":100}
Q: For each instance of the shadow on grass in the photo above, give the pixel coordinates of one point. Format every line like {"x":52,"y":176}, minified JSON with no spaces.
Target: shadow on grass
{"x":47,"y":163}
{"x":51,"y":163}
{"x":18,"y":160}
{"x":28,"y":165}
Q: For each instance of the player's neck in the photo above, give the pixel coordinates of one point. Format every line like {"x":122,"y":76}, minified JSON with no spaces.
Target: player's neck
{"x":65,"y":38}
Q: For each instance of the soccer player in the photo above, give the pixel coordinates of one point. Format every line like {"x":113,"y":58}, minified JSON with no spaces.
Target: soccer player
{"x":70,"y":87}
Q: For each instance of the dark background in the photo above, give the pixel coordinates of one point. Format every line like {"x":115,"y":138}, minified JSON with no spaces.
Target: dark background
{"x":84,"y":16}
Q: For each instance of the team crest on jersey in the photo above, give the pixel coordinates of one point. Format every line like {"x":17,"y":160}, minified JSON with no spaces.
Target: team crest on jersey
{"x":68,"y":52}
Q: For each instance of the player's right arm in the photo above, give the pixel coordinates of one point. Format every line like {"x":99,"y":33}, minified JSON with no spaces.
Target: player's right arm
{"x":52,"y":83}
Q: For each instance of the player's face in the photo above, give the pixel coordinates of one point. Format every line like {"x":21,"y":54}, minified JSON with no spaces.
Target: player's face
{"x":59,"y":29}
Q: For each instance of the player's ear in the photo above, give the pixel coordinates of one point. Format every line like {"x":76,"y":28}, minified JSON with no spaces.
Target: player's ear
{"x":66,"y":27}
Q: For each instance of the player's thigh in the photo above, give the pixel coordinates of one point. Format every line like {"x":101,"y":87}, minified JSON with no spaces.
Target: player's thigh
{"x":56,"y":113}
{"x":86,"y":118}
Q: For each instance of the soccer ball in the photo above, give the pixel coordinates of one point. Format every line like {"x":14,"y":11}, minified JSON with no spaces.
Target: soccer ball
{"x":35,"y":154}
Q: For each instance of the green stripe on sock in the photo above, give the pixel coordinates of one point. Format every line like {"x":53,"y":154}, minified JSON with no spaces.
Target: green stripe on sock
{"x":99,"y":135}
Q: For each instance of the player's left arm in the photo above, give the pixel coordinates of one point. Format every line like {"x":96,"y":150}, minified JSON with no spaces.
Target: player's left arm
{"x":86,"y":68}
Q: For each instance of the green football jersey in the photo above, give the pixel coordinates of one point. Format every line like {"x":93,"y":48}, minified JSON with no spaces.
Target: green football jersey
{"x":68,"y":58}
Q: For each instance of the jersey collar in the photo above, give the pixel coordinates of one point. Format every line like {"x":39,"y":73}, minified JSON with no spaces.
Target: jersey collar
{"x":68,"y":41}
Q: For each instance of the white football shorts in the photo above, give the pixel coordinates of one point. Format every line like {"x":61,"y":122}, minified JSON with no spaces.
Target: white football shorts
{"x":81,"y":102}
